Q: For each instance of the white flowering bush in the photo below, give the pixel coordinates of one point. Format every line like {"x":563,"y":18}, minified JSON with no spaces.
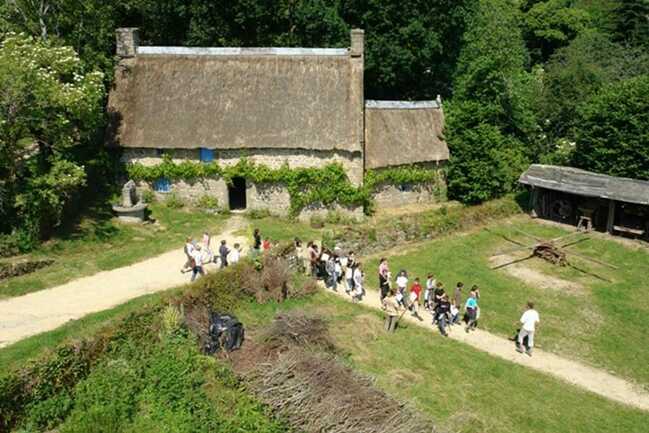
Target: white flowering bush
{"x":48,"y":106}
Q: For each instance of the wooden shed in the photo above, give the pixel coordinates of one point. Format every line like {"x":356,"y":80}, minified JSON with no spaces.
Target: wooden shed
{"x":589,"y":200}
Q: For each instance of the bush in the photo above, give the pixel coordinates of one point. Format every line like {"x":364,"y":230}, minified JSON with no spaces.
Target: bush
{"x":174,"y":202}
{"x":207,"y":202}
{"x":148,"y":196}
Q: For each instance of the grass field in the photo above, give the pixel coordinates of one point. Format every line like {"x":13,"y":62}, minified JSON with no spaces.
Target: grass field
{"x":460,"y":388}
{"x":602,"y":323}
{"x":100,"y":245}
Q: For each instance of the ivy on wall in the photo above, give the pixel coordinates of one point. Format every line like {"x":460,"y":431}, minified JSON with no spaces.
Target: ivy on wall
{"x":306,"y":186}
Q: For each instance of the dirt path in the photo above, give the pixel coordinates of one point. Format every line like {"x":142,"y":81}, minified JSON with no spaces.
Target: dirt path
{"x":45,"y":310}
{"x":583,"y":376}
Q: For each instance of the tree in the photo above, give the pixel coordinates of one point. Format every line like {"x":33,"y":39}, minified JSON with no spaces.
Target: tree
{"x":553,"y":24}
{"x":47,"y":107}
{"x":613,"y":137}
{"x":576,"y":72}
{"x":632,"y":22}
{"x":490,"y":121}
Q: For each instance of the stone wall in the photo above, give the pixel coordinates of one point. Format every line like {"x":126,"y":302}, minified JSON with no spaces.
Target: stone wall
{"x":389,"y":195}
{"x":272,"y":197}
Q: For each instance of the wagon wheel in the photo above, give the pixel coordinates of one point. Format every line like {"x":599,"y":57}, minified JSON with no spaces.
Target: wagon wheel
{"x":561,"y":210}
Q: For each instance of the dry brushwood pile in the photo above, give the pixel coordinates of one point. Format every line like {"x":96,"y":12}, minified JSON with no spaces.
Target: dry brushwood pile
{"x":298,"y":375}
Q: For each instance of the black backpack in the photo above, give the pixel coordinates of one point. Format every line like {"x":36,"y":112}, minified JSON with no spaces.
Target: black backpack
{"x":225,"y":333}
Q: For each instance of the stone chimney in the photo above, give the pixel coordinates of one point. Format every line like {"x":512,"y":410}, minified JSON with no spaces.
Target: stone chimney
{"x":128,"y":39}
{"x":358,"y":43}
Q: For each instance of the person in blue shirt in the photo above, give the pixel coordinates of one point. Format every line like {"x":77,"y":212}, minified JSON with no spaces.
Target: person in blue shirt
{"x":471,"y":308}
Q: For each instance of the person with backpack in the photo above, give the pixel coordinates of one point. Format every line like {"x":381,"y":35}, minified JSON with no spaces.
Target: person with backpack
{"x":442,"y":310}
{"x":529,"y":320}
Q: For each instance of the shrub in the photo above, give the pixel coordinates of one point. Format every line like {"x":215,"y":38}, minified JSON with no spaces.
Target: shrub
{"x":174,"y":202}
{"x":148,"y":196}
{"x":207,"y":202}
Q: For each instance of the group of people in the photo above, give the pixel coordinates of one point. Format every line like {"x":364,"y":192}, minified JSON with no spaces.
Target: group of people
{"x":444,"y":309}
{"x":339,"y":269}
{"x":198,"y":254}
{"x":335,"y":268}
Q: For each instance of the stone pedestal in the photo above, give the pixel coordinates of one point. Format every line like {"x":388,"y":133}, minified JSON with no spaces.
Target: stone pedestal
{"x":133,"y":214}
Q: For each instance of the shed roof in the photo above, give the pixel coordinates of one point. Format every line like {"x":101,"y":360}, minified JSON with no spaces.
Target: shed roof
{"x":404,"y":132}
{"x":234,"y":98}
{"x":586,"y":183}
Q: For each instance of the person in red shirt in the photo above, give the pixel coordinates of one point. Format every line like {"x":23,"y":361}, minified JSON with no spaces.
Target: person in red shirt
{"x":266,"y":245}
{"x":415,"y":294}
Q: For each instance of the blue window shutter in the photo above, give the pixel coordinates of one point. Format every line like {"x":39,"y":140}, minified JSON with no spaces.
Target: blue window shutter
{"x":206,"y":155}
{"x":162,"y":185}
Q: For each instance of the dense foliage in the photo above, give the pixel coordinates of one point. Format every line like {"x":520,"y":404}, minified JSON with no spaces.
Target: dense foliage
{"x":516,"y":75}
{"x":613,"y":135}
{"x":49,"y":107}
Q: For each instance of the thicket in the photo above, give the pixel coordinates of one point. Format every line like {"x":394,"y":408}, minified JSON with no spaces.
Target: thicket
{"x":146,"y":373}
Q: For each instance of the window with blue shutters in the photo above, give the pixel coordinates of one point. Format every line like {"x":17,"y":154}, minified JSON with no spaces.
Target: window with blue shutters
{"x":162,"y":185}
{"x":206,"y":155}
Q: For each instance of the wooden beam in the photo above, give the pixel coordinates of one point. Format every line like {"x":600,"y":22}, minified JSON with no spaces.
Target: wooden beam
{"x":534,"y":202}
{"x":611,"y":216}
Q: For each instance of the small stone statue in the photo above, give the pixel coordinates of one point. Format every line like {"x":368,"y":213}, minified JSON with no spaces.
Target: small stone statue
{"x":131,"y":210}
{"x":129,"y":194}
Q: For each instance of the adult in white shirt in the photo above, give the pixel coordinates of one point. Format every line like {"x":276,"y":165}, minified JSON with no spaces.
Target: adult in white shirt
{"x":529,"y":320}
{"x":197,"y":255}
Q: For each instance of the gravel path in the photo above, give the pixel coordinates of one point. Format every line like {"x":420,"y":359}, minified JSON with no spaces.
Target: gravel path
{"x":41,"y":311}
{"x":589,"y":378}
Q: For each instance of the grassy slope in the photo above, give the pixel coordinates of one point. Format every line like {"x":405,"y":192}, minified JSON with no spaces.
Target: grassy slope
{"x":18,"y":354}
{"x":603,"y":324}
{"x":462,"y":389}
{"x":103,"y":245}
{"x":279,"y":229}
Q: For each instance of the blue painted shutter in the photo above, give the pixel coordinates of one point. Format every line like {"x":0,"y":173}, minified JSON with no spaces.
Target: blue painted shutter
{"x":206,"y":155}
{"x":162,"y":185}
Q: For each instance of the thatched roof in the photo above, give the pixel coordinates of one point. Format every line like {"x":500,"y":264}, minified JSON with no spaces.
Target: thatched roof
{"x":231,"y":98}
{"x":586,"y":183}
{"x":401,"y":132}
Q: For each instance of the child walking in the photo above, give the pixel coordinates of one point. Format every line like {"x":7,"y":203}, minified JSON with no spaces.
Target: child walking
{"x":415,"y":293}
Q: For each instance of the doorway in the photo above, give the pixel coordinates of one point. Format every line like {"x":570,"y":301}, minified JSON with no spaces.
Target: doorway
{"x":237,"y":193}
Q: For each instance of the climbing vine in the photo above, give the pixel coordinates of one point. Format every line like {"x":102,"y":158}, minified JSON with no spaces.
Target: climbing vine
{"x":326,"y":185}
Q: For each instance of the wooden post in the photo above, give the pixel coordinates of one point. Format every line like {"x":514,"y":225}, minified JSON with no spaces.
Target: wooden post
{"x":611,"y":216}
{"x":534,"y":201}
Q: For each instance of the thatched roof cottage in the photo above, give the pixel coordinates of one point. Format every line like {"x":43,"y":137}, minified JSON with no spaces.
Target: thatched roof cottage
{"x":275,"y":107}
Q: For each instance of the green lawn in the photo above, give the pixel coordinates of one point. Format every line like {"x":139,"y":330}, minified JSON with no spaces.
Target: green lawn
{"x":603,"y":323}
{"x":99,"y":245}
{"x":462,"y":389}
